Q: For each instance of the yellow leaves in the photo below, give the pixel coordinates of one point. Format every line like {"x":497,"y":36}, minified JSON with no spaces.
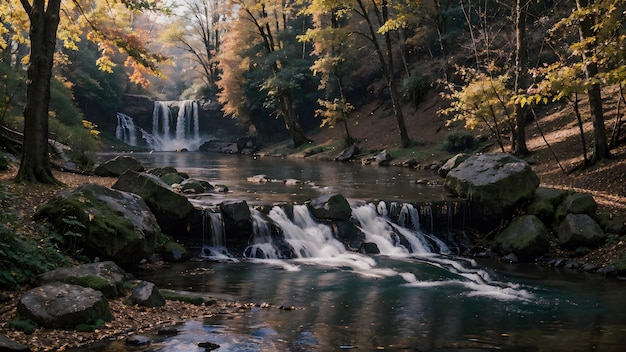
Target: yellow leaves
{"x":105,"y":64}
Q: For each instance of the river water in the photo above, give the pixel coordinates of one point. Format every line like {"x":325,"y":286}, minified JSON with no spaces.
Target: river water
{"x":398,"y":301}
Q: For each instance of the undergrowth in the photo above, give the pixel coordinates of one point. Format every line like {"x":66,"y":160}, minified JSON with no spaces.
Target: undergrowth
{"x":23,"y":256}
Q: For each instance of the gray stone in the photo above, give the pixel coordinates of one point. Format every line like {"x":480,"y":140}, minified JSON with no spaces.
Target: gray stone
{"x":496,"y":185}
{"x":576,"y":203}
{"x":580,"y":230}
{"x":259,"y":179}
{"x":105,"y":223}
{"x":117,"y":166}
{"x":175,"y":252}
{"x":545,"y":202}
{"x":330,"y":207}
{"x":348,"y":153}
{"x":526,"y":237}
{"x":8,"y":345}
{"x":105,"y":277}
{"x":63,"y":306}
{"x":146,"y":294}
{"x":451,"y":164}
{"x":138,"y":340}
{"x":170,"y":208}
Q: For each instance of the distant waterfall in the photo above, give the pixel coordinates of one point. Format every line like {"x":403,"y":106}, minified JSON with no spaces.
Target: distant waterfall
{"x":175,"y":126}
{"x":126,"y":130}
{"x":175,"y":131}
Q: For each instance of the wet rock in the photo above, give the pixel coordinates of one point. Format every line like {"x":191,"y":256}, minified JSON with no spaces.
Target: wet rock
{"x":170,"y":208}
{"x":580,"y":230}
{"x":8,"y":345}
{"x":208,"y":346}
{"x":589,"y":267}
{"x":610,"y":270}
{"x":175,"y":252}
{"x":510,"y":258}
{"x":237,"y":223}
{"x":172,"y":178}
{"x":162,"y":171}
{"x":348,"y":153}
{"x":526,"y":237}
{"x":117,"y":166}
{"x":63,"y":306}
{"x":381,"y":159}
{"x":138,"y":340}
{"x":146,"y":294}
{"x":369,"y":248}
{"x":496,"y":184}
{"x":105,"y":277}
{"x":330,"y":207}
{"x":259,"y":179}
{"x":451,"y":164}
{"x":112,"y":224}
{"x":194,"y":186}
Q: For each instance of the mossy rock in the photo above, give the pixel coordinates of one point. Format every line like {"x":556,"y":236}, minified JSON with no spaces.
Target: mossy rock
{"x":526,"y":237}
{"x":105,"y":223}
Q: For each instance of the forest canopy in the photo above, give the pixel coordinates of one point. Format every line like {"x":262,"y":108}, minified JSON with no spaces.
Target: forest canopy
{"x":283,"y":68}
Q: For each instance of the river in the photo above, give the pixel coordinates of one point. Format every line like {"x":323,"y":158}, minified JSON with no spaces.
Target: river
{"x":395,"y":301}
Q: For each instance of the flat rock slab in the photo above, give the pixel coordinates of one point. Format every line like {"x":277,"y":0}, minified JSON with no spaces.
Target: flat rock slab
{"x":105,"y":277}
{"x":63,"y":306}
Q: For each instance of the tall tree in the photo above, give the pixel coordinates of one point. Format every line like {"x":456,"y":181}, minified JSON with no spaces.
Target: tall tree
{"x":199,"y":32}
{"x":521,"y":75}
{"x":588,"y":31}
{"x":271,"y":56}
{"x":333,"y":46}
{"x":44,"y":17}
{"x":376,"y":15}
{"x":44,"y":21}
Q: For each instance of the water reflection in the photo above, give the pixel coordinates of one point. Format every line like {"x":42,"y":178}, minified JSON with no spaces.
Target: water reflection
{"x":350,"y":179}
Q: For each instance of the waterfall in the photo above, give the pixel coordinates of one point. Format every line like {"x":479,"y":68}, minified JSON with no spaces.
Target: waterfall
{"x":175,"y":126}
{"x":175,"y":132}
{"x":213,"y":235}
{"x":126,"y":130}
{"x":262,"y":246}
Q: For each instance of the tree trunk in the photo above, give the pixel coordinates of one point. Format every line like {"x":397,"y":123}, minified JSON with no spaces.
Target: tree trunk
{"x":35,"y":160}
{"x":521,"y":77}
{"x":601,"y":145}
{"x":291,"y":120}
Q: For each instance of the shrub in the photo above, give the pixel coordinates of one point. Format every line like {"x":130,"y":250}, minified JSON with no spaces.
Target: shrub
{"x":460,"y":142}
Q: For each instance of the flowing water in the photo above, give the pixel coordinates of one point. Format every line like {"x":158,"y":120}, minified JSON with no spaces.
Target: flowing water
{"x":416,"y":295}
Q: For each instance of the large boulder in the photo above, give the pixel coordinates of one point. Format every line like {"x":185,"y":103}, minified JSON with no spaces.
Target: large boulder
{"x":117,"y":166}
{"x":348,"y":153}
{"x":526,"y":237}
{"x":103,"y":222}
{"x":63,"y":306}
{"x":580,"y":231}
{"x":105,"y":277}
{"x":170,"y":208}
{"x":330,"y":207}
{"x":496,"y":184}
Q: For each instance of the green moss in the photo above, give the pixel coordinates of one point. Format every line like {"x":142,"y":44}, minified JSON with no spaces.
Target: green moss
{"x":196,"y":301}
{"x":87,"y":327}
{"x":27,"y":326}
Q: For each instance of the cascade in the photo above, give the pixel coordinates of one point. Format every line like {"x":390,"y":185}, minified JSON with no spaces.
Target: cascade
{"x":175,"y":132}
{"x":213,"y":235}
{"x":126,"y":130}
{"x":170,"y":131}
{"x":262,"y":246}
